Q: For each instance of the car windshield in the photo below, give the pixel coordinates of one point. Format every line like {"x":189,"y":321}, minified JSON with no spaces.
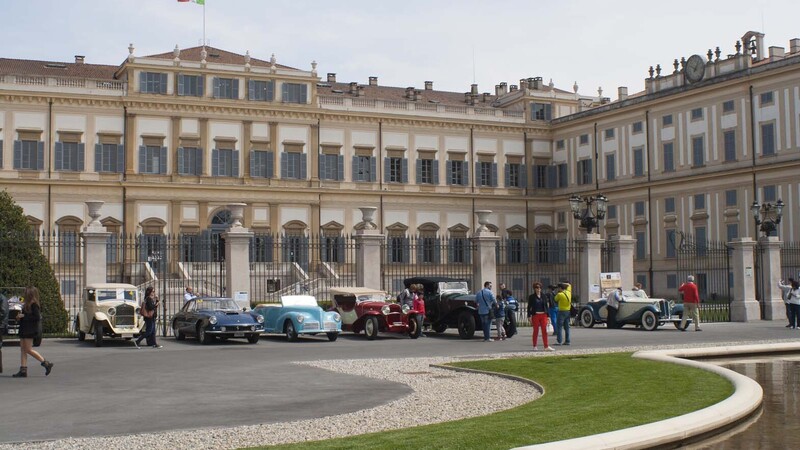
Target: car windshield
{"x":223,"y":304}
{"x":453,"y":286}
{"x":371,"y":297}
{"x":125,"y":295}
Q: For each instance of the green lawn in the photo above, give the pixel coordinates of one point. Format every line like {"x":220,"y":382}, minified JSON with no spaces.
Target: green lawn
{"x":584,"y":395}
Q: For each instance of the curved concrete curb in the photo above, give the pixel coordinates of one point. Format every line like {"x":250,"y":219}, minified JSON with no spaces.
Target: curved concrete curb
{"x":745,"y":400}
{"x":533,"y":383}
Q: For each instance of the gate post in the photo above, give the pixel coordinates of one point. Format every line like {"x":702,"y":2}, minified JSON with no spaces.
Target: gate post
{"x":774,"y":307}
{"x":368,"y":250}
{"x":484,"y":266}
{"x":591,"y":262}
{"x":95,"y":242}
{"x":744,"y":306}
{"x":237,"y":254}
{"x":623,"y":259}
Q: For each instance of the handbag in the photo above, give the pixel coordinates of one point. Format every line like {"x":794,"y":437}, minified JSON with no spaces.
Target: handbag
{"x":549,"y":326}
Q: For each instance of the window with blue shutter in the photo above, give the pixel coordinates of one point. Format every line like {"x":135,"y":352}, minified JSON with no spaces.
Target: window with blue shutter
{"x":541,"y":111}
{"x":428,"y":250}
{"x":293,"y":165}
{"x":515,"y":175}
{"x":69,"y":156}
{"x":395,"y":170}
{"x":399,"y":249}
{"x":486,"y":173}
{"x":1,"y":153}
{"x":332,"y":249}
{"x":458,"y":250}
{"x":669,"y":157}
{"x":260,"y":90}
{"x":109,"y":158}
{"x":698,"y":156}
{"x":225,"y":163}
{"x":294,"y":93}
{"x":331,"y":167}
{"x":638,"y":162}
{"x":563,"y":175}
{"x":261,"y":247}
{"x":152,"y":159}
{"x":28,"y":155}
{"x":227,"y":88}
{"x":364,"y":168}
{"x":584,"y":174}
{"x":190,"y":85}
{"x":427,"y":171}
{"x":190,"y":161}
{"x":152,"y":83}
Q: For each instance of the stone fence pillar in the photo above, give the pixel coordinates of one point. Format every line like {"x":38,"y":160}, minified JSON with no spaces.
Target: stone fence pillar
{"x":95,"y":246}
{"x":623,"y":259}
{"x":369,"y":241}
{"x":591,"y":260}
{"x":772,"y":296}
{"x":237,"y":255}
{"x":484,"y":261}
{"x":744,"y":307}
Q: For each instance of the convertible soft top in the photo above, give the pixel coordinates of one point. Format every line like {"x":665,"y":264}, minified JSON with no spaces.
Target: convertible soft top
{"x":429,"y":282}
{"x":355,"y":291}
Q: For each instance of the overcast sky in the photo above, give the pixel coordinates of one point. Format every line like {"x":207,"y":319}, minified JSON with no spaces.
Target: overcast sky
{"x":404,"y":43}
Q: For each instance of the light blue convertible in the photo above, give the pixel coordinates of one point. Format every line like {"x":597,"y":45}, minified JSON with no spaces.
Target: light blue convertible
{"x":299,"y":314}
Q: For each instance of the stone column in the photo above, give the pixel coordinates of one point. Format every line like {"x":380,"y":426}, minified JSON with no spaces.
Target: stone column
{"x":95,"y":241}
{"x":368,"y":250}
{"x":772,"y":296}
{"x":237,"y":255}
{"x":744,"y":306}
{"x":484,"y":257}
{"x":591,"y":260}
{"x":624,"y":246}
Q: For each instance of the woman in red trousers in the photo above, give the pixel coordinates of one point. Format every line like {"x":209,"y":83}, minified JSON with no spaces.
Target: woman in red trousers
{"x":538,"y":306}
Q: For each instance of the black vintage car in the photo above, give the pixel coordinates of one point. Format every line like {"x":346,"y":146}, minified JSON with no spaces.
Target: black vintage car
{"x":448,"y":304}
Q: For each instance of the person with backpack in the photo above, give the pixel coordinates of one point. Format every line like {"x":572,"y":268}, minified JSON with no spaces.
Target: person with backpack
{"x":485,"y":299}
{"x":564,"y":301}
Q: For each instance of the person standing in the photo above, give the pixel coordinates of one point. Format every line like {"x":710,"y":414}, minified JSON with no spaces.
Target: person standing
{"x":786,"y":291}
{"x":419,"y":305}
{"x":564,"y":301}
{"x":485,"y":300}
{"x":30,"y":323}
{"x":794,"y":305}
{"x":553,"y":311}
{"x":150,"y":312}
{"x":499,"y":318}
{"x":538,"y":306}
{"x":189,"y":294}
{"x":612,"y":307}
{"x":691,"y":303}
{"x":505,"y":295}
{"x":3,"y":325}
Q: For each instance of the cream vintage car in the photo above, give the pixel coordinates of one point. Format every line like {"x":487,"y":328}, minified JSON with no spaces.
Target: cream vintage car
{"x":109,"y":310}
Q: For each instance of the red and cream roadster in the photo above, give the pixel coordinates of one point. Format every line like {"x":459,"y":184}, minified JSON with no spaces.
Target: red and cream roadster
{"x":365,"y":309}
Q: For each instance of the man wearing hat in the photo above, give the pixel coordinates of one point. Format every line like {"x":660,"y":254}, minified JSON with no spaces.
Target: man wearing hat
{"x":691,"y":304}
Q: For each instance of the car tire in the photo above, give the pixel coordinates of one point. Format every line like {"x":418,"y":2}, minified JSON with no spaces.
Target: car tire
{"x":179,"y":336}
{"x":678,"y":323}
{"x":371,"y":327}
{"x":649,"y":320}
{"x":333,"y":336}
{"x":98,"y":334}
{"x":202,"y":336}
{"x":253,"y":338}
{"x":440,"y":328}
{"x":511,"y":326}
{"x":290,"y":331}
{"x":81,"y":334}
{"x":587,"y":318}
{"x":466,"y":325}
{"x":414,"y":327}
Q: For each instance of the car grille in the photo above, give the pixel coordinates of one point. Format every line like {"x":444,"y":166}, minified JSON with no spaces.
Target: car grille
{"x":311,"y":325}
{"x":330,"y":326}
{"x":125,"y":316}
{"x":238,"y":327}
{"x":664,"y":307}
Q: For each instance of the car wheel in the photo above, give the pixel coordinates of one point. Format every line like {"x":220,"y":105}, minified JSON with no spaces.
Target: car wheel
{"x":290,"y":331}
{"x":253,"y":338}
{"x":414,"y":327}
{"x":649,"y":320}
{"x":440,"y":328}
{"x":678,"y":323}
{"x":511,"y":324}
{"x":202,"y":336}
{"x":466,"y":325}
{"x":177,"y":332}
{"x":81,"y":334}
{"x":333,"y":336}
{"x":98,"y":334}
{"x":587,"y":318}
{"x":371,"y":327}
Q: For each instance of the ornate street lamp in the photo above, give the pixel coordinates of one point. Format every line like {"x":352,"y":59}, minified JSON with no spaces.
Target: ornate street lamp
{"x":582,"y":210}
{"x":767,"y":216}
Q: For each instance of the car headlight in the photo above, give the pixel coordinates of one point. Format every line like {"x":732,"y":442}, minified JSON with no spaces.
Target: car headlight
{"x":112,"y":311}
{"x":260,"y":318}
{"x":212,"y":320}
{"x":336,"y":317}
{"x":385,"y":310}
{"x":406,"y":309}
{"x":300,"y":318}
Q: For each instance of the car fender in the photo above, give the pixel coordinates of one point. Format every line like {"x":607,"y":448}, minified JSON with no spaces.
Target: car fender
{"x":677,"y":309}
{"x":83,"y":320}
{"x":637,"y":317}
{"x":101,"y":317}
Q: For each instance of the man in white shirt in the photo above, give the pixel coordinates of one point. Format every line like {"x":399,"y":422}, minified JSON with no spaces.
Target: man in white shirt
{"x":189,"y":294}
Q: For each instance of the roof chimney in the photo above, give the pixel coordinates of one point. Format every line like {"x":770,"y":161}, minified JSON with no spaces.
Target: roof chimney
{"x":777,"y":52}
{"x":622,"y":93}
{"x":468,"y":98}
{"x":429,"y":85}
{"x":486,"y":96}
{"x":410,"y":93}
{"x":535,"y":83}
{"x":354,"y":88}
{"x":794,"y":45}
{"x":331,"y":77}
{"x":498,"y":90}
{"x":513,"y":88}
{"x":504,"y":87}
{"x":79,"y":59}
{"x":474,"y":89}
{"x":523,"y":84}
{"x":373,"y":81}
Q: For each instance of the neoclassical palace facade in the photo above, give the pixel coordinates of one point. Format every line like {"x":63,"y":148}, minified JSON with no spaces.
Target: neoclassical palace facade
{"x":168,"y":140}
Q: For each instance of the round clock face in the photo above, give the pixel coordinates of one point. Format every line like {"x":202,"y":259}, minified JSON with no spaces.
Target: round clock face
{"x":695,"y":68}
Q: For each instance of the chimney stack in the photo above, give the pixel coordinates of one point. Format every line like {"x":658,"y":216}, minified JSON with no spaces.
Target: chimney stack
{"x":535,"y":83}
{"x":469,"y":98}
{"x":486,"y":96}
{"x":794,"y":46}
{"x":777,"y":52}
{"x":331,"y":77}
{"x":79,"y":59}
{"x":523,"y":84}
{"x":354,"y":88}
{"x":410,"y":94}
{"x":498,"y":90}
{"x":504,"y":87}
{"x":513,"y":88}
{"x":474,"y":89}
{"x":373,"y":81}
{"x":622,"y":93}
{"x":429,"y":85}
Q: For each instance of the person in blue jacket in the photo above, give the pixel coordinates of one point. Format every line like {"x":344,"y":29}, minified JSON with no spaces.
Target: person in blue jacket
{"x":485,"y":299}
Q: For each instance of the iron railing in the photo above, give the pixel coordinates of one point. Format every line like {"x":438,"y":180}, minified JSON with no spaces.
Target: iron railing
{"x":406,"y":257}
{"x":709,"y":262}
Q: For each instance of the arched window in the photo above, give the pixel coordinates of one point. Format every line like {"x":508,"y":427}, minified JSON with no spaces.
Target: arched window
{"x":68,"y":239}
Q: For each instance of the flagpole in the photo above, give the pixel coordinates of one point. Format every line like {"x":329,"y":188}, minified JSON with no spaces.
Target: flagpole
{"x":204,"y":24}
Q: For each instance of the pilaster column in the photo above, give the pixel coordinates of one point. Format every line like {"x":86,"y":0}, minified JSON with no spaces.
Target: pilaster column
{"x":237,"y":254}
{"x":95,"y":240}
{"x":591,"y":260}
{"x":624,"y":247}
{"x":368,"y":250}
{"x":484,"y":260}
{"x":772,"y":296}
{"x":744,"y":307}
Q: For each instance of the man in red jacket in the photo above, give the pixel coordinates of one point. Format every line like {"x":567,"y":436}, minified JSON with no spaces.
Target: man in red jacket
{"x":691,"y":304}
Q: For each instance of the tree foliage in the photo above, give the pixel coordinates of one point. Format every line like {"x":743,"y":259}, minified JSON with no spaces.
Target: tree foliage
{"x":23,"y":264}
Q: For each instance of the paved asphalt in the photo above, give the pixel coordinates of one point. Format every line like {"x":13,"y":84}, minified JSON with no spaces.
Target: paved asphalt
{"x":118,"y":389}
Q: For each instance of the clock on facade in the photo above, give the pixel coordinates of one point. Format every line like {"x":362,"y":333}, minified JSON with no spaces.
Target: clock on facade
{"x":695,"y":69}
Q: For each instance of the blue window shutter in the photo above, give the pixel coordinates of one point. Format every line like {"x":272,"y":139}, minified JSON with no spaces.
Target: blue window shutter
{"x":235,"y":170}
{"x":59,"y":156}
{"x":180,"y":85}
{"x":356,"y":176}
{"x":373,"y":169}
{"x":142,"y":81}
{"x":303,"y":162}
{"x":449,"y":172}
{"x":162,"y":161}
{"x":419,"y":171}
{"x":548,"y":111}
{"x":163,"y":88}
{"x":304,"y":94}
{"x":284,"y":91}
{"x":142,"y":159}
{"x":523,"y":176}
{"x":40,"y":155}
{"x":478,"y":180}
{"x":494,"y":174}
{"x":284,"y":165}
{"x":552,"y":177}
{"x":201,"y":85}
{"x":198,"y":161}
{"x":405,"y":170}
{"x":235,"y":88}
{"x":216,"y":87}
{"x":270,"y":165}
{"x":120,"y":158}
{"x":386,"y":165}
{"x":252,"y":163}
{"x":17,"y":154}
{"x":270,"y":94}
{"x":98,"y":158}
{"x":340,"y":168}
{"x":181,"y":169}
{"x":323,"y":164}
{"x":81,"y":157}
{"x":465,"y":173}
{"x":215,"y":163}
{"x":435,"y":171}
{"x":406,"y":250}
{"x":507,"y":175}
{"x":340,"y":249}
{"x":251,"y":90}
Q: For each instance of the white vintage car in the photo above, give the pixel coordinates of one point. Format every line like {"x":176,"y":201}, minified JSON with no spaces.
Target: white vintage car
{"x":109,"y":310}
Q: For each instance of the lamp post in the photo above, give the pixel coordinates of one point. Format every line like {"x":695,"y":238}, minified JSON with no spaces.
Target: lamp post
{"x":582,"y":210}
{"x":767,"y":216}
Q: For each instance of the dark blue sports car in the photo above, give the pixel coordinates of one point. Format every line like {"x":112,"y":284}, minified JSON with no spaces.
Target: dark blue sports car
{"x":208,"y":318}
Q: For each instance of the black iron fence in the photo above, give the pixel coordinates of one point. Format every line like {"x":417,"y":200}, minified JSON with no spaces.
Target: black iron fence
{"x":405,"y":257}
{"x":790,"y":260}
{"x":608,"y":254}
{"x":709,"y":263}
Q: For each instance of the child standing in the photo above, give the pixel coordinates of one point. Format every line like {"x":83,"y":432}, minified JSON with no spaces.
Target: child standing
{"x":499,"y":318}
